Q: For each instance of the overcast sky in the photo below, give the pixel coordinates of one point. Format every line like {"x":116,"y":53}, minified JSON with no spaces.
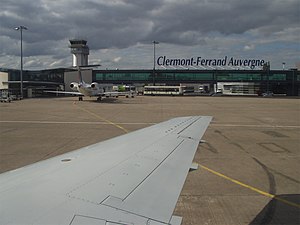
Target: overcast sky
{"x":120,"y":32}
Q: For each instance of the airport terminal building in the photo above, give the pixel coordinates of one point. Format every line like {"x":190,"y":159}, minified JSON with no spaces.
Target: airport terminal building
{"x":206,"y":81}
{"x":229,"y":82}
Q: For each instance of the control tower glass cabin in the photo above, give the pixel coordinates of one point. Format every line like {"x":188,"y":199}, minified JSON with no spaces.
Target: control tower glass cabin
{"x":80,"y":52}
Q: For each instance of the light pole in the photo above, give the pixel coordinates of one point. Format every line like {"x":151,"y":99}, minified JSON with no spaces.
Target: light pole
{"x":154,"y":43}
{"x":21,"y":28}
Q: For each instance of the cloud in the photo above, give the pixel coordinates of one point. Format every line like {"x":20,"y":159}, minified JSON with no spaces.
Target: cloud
{"x":249,"y":47}
{"x":212,"y":27}
{"x":117,"y":59}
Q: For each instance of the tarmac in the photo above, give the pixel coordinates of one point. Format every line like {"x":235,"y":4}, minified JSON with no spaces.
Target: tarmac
{"x":249,"y":165}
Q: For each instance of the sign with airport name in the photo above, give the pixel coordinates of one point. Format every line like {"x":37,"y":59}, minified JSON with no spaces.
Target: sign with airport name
{"x":199,"y":61}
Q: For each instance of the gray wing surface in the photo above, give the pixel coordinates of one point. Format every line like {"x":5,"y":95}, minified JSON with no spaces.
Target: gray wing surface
{"x":66,"y":92}
{"x":135,"y":178}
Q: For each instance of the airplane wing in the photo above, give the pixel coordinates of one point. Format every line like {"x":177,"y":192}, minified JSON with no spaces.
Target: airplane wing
{"x":65,"y":92}
{"x":135,"y":178}
{"x":109,"y":93}
{"x":116,"y":93}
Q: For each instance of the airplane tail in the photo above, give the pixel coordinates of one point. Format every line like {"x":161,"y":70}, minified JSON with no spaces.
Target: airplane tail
{"x":79,"y":72}
{"x":81,"y":81}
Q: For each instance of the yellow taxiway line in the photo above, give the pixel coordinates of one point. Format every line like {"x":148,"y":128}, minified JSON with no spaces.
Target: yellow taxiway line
{"x":102,"y":118}
{"x":250,"y":187}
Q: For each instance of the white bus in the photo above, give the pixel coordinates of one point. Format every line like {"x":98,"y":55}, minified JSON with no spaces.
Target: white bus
{"x":163,"y":90}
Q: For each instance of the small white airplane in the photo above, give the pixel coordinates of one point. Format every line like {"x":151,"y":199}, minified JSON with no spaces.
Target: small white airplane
{"x":133,"y":179}
{"x":92,"y":90}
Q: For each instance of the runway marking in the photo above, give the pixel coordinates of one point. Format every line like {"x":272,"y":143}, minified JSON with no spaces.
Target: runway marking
{"x":253,"y":125}
{"x":69,"y":122}
{"x":137,"y":123}
{"x":202,"y":166}
{"x":251,"y":188}
{"x":101,"y":118}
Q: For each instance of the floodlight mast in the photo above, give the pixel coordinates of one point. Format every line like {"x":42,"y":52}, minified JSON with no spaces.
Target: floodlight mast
{"x":154,"y":43}
{"x":21,"y":28}
{"x":283,"y":65}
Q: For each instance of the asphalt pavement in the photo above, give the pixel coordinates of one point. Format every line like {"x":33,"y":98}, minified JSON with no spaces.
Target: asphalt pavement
{"x":249,"y":165}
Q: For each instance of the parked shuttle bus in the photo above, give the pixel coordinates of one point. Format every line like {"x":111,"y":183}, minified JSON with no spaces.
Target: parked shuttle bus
{"x":163,"y":90}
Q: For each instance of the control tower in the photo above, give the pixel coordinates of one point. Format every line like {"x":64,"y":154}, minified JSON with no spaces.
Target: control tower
{"x":80,"y":52}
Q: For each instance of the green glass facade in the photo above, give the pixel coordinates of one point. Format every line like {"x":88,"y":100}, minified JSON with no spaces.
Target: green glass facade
{"x":239,"y":77}
{"x":148,"y":76}
{"x":121,"y":76}
{"x":286,"y":81}
{"x":281,"y":81}
{"x":188,"y":76}
{"x":52,"y":75}
{"x":37,"y":81}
